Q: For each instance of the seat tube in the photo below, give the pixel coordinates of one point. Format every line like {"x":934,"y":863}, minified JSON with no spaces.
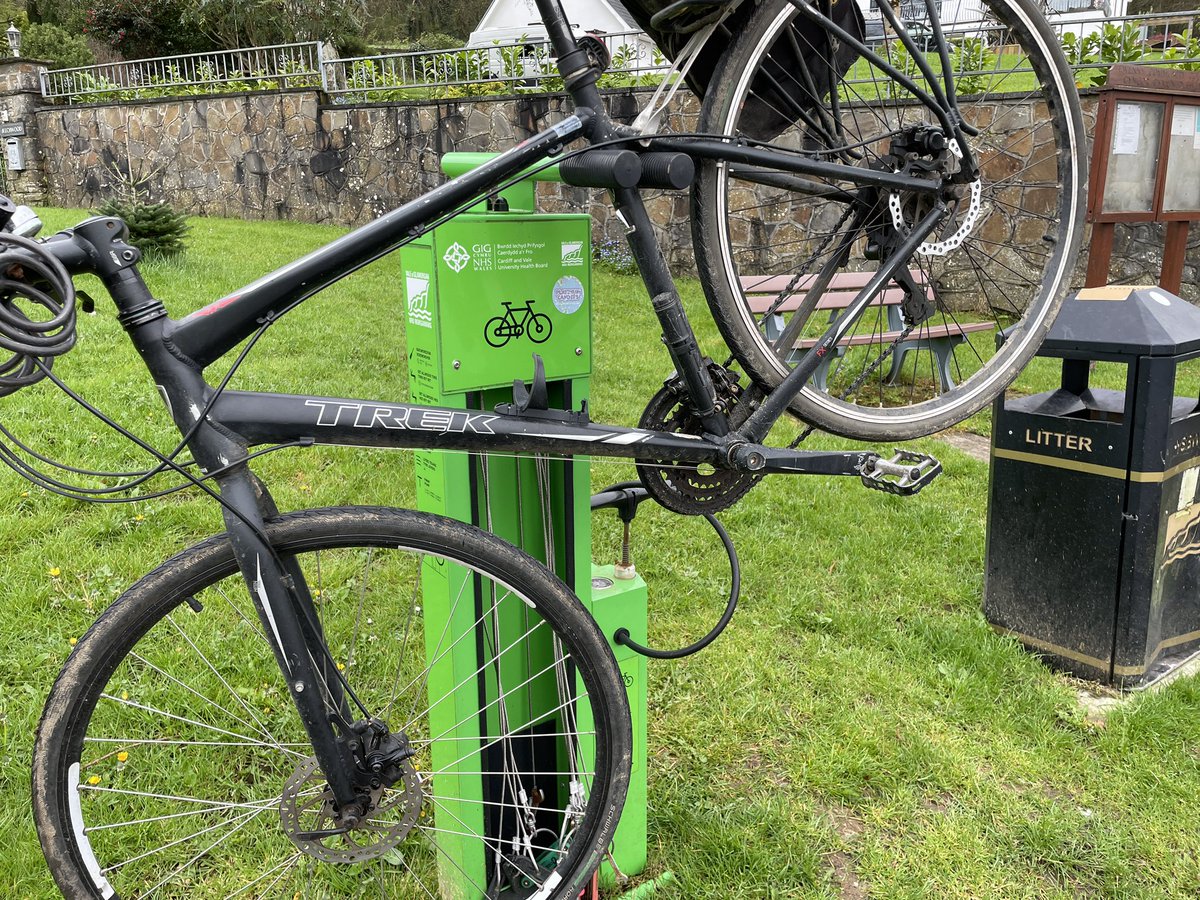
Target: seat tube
{"x":677,"y":332}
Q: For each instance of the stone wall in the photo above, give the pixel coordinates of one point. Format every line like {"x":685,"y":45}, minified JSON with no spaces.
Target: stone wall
{"x":289,"y":156}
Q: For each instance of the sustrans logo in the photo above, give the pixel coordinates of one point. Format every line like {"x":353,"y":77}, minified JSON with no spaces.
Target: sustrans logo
{"x":457,"y":257}
{"x":572,"y":253}
{"x":416,"y":285}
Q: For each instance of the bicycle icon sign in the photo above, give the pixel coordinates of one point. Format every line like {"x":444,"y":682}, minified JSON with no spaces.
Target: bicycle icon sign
{"x":499,"y":330}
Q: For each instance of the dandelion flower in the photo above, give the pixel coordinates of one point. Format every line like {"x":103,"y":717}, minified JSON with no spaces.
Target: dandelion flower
{"x":94,"y":780}
{"x":122,"y":756}
{"x":73,"y":641}
{"x":55,"y":572}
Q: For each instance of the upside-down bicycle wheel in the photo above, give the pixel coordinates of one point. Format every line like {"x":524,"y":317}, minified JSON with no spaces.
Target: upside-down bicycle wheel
{"x":775,"y":249}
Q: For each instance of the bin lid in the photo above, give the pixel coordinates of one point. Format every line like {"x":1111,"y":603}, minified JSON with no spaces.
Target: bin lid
{"x":1124,"y":320}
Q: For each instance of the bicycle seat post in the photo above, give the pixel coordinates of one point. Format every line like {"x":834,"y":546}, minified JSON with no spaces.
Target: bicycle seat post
{"x":580,"y":77}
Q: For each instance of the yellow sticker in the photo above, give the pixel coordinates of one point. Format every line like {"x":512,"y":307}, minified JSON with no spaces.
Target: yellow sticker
{"x":1111,"y":291}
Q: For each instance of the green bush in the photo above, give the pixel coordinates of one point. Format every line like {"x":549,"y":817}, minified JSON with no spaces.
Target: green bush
{"x":1110,"y":45}
{"x":154,"y":228}
{"x":138,"y":29}
{"x":1185,"y":54}
{"x":898,"y":56}
{"x":434,"y":40}
{"x":971,"y":58}
{"x":57,"y":46}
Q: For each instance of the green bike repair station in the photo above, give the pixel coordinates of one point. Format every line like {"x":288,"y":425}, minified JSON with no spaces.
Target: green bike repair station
{"x":483,"y":293}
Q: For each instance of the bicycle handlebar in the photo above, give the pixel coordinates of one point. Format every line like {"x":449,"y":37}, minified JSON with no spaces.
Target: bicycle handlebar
{"x":37,"y":306}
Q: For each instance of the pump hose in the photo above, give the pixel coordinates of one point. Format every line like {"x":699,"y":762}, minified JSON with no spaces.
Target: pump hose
{"x":626,"y":491}
{"x":30,"y":277}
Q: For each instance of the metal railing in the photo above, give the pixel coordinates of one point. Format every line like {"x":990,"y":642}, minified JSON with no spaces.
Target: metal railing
{"x":1092,"y":43}
{"x":985,"y":59}
{"x":501,"y":68}
{"x":219,"y":71}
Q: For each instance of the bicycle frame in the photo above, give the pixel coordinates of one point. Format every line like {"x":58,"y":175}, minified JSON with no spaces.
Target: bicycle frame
{"x":220,"y":426}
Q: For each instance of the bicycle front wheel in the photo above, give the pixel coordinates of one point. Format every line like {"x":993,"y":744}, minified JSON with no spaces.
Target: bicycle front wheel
{"x":171,"y":762}
{"x":780,"y":254}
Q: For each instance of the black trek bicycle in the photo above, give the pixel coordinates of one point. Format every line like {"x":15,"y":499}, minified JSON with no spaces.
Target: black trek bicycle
{"x":946,"y":183}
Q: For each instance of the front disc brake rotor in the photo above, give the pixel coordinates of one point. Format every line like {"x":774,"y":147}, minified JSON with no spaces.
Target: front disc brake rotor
{"x":306,"y":808}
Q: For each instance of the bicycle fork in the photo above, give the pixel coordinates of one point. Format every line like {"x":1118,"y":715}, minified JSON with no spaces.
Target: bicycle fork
{"x":289,"y":618}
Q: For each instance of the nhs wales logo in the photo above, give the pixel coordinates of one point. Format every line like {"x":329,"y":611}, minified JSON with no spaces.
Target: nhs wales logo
{"x":457,"y":257}
{"x":572,"y":253}
{"x":416,"y":286}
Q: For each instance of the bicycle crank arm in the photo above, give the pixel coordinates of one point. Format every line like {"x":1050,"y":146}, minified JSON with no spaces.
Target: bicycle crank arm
{"x":905,"y":473}
{"x":814,"y":462}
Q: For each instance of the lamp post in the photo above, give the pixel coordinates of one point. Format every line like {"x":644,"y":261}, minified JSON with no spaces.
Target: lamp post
{"x":14,"y":39}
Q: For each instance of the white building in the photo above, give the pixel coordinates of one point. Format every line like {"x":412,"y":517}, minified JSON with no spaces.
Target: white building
{"x":511,"y":21}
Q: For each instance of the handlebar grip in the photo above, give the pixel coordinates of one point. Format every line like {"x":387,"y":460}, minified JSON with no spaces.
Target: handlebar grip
{"x":602,"y":169}
{"x":670,"y":171}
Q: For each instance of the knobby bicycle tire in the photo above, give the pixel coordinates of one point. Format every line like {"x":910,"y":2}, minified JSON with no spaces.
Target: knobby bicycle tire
{"x":999,"y":261}
{"x":169,"y":757}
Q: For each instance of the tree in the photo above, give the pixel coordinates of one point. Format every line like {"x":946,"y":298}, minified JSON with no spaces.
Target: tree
{"x":259,"y":23}
{"x":412,"y":18}
{"x":137,"y":29}
{"x":59,"y":47}
{"x":67,"y":14}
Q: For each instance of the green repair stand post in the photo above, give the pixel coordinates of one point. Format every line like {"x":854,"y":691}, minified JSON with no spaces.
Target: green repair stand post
{"x":483,"y":293}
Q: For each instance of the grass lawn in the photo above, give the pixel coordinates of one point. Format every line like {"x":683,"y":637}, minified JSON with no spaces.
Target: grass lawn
{"x":859,"y":730}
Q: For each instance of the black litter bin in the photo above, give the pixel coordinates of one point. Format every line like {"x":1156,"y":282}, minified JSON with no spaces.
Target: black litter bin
{"x":1093,"y":537}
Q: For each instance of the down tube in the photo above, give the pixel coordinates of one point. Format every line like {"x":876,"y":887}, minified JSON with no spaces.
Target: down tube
{"x":267,"y":418}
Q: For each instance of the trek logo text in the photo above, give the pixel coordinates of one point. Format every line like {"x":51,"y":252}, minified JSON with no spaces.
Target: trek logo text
{"x":412,"y":418}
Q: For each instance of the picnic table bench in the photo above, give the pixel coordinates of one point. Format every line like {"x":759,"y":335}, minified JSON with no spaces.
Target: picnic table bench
{"x":762,"y":292}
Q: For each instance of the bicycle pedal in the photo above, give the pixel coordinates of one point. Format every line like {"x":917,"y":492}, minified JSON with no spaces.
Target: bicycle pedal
{"x":905,"y":474}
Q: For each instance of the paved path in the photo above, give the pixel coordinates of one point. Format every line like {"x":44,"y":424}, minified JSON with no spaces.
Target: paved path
{"x":972,"y":444}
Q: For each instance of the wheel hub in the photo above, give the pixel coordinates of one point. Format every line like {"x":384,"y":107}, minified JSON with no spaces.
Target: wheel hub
{"x":960,"y":218}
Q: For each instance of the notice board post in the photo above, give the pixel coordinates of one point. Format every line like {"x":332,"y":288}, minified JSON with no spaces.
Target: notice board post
{"x":1145,"y":164}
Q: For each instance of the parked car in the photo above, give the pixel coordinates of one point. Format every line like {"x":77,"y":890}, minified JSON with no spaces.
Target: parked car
{"x":920,"y":32}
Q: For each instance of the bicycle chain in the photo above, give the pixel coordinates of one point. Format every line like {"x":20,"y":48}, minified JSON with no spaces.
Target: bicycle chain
{"x":858,"y":382}
{"x":803,"y":270}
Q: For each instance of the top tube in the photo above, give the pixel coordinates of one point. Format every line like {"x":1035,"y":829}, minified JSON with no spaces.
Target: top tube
{"x":207,"y":334}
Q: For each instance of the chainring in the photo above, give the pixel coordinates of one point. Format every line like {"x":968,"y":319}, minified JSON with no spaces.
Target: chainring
{"x":689,"y":488}
{"x":307,"y":806}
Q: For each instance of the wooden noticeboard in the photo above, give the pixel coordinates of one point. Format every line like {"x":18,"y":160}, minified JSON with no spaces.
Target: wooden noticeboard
{"x":1145,"y":163}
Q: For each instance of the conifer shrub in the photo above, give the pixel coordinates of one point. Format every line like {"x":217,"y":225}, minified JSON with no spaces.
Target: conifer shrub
{"x":154,"y":228}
